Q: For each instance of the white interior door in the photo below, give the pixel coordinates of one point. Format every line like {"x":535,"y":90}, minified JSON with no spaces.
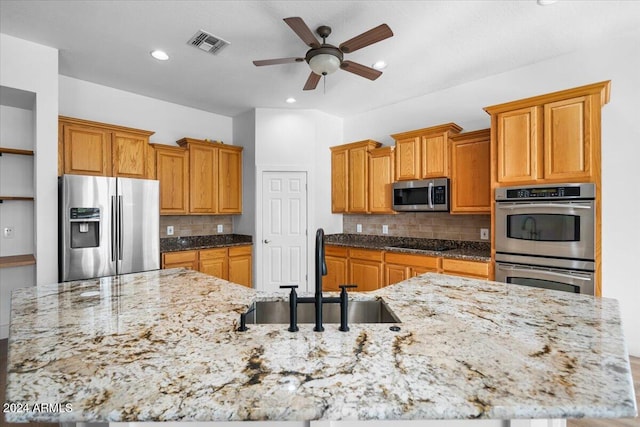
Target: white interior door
{"x":284,"y":229}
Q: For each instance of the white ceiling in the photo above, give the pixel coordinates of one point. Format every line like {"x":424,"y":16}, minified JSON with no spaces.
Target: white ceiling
{"x":436,"y":44}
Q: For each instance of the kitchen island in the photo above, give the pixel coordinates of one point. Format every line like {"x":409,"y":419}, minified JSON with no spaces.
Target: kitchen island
{"x":163,"y":346}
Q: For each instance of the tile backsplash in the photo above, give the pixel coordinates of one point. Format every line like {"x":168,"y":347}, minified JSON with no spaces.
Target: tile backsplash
{"x":427,"y":225}
{"x":195,"y":225}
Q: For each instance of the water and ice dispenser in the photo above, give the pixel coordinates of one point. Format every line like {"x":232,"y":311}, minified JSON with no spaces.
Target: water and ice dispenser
{"x":84,"y":225}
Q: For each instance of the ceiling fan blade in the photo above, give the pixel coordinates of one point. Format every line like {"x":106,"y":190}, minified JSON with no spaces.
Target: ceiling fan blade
{"x":372,"y":36}
{"x":303,"y":31}
{"x":361,"y":70}
{"x":276,"y":61}
{"x":312,"y":81}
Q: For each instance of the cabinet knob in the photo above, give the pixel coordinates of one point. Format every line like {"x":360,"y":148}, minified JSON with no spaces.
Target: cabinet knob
{"x":266,"y":240}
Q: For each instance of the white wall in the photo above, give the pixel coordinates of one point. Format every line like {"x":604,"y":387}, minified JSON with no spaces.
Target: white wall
{"x":33,"y":68}
{"x":617,"y":60}
{"x":298,"y":140}
{"x":170,"y":122}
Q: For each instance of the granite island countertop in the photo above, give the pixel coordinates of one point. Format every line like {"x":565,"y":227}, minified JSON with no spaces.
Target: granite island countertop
{"x":163,"y":345}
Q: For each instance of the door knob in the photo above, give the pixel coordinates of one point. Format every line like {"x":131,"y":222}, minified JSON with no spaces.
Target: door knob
{"x":266,"y":241}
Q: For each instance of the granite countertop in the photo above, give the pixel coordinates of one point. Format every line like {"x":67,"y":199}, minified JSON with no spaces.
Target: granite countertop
{"x":472,"y":251}
{"x":173,"y":244}
{"x":163,"y":345}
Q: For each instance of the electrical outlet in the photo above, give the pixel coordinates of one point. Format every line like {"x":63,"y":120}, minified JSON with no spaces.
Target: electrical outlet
{"x":8,"y":232}
{"x":385,"y":229}
{"x":484,"y":234}
{"x":169,"y":230}
{"x":358,"y":228}
{"x":220,"y":228}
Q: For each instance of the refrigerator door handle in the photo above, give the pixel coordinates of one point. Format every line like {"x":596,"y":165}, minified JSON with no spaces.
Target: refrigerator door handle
{"x":120,"y":214}
{"x":113,"y":228}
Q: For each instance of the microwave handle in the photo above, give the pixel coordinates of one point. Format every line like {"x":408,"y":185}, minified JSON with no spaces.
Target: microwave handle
{"x":551,"y":273}
{"x":429,"y":196}
{"x":542,"y":205}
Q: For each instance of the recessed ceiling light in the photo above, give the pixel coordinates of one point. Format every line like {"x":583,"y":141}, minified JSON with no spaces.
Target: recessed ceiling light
{"x":546,"y":2}
{"x":380,"y":65}
{"x":160,"y":55}
{"x":290,"y":100}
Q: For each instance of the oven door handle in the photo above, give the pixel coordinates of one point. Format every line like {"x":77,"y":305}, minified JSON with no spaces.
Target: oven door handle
{"x":542,"y":205}
{"x":551,"y":273}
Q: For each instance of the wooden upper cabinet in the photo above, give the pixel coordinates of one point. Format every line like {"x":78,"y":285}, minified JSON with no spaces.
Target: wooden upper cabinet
{"x":548,"y":138}
{"x":215,"y":177}
{"x":339,"y":179}
{"x":102,"y":149}
{"x":470,"y":172}
{"x":567,"y":138}
{"x":357,"y":182}
{"x":518,"y":147}
{"x":407,"y":159}
{"x":230,"y":180}
{"x":87,"y":150}
{"x":350,"y":176}
{"x":130,"y":155}
{"x":424,"y":153}
{"x":172,"y":170}
{"x":381,"y":176}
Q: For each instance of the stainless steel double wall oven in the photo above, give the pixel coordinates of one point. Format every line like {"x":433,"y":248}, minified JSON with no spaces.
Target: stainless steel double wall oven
{"x":545,"y":236}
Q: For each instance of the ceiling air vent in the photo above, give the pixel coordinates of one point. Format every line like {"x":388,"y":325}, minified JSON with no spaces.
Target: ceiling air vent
{"x":207,"y":42}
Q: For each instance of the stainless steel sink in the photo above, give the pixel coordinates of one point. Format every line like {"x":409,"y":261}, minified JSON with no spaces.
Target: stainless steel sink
{"x":267,"y":312}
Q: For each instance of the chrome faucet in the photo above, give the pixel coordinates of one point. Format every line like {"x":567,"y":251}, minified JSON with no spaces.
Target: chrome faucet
{"x":318,"y":299}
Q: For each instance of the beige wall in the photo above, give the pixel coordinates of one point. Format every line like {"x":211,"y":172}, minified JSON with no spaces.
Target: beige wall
{"x":195,"y":225}
{"x":420,"y":224}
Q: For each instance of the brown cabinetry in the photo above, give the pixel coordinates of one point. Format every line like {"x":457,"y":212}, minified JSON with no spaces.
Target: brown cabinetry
{"x":101,"y":149}
{"x":548,"y":138}
{"x":350,"y":176}
{"x":459,"y":267}
{"x":172,"y":170}
{"x":186,"y":259}
{"x":470,"y":172}
{"x":336,"y":258}
{"x":366,"y":269}
{"x":381,"y":180}
{"x":424,"y":153}
{"x":231,"y":263}
{"x":399,"y":266}
{"x":215,"y":177}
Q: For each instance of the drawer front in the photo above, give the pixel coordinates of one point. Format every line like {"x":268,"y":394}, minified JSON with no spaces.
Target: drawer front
{"x":206,"y":254}
{"x":337,"y":251}
{"x":366,"y":254}
{"x":181,"y":256}
{"x":239,"y":250}
{"x":430,"y":262}
{"x":474,"y":268}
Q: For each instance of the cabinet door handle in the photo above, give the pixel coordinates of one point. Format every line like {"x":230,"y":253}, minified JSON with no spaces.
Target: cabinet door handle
{"x":266,"y":241}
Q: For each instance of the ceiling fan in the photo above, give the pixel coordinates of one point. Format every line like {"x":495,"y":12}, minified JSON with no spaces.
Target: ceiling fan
{"x":324,"y":58}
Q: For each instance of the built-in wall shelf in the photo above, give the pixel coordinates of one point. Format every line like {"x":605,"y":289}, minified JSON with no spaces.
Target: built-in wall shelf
{"x":4,"y":150}
{"x":3,"y":198}
{"x":17,"y":260}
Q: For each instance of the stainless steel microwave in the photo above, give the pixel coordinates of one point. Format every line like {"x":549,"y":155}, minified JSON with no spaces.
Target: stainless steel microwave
{"x":428,"y":195}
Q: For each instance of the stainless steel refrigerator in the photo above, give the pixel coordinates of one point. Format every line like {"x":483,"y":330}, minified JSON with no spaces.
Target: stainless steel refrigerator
{"x":108,"y":226}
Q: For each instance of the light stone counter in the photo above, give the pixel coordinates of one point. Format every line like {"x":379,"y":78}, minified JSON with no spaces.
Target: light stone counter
{"x":163,"y":346}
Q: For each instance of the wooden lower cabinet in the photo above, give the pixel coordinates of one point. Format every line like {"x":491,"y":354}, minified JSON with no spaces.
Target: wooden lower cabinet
{"x":474,"y":269}
{"x":215,"y":262}
{"x":399,"y":266}
{"x":336,"y":258}
{"x":240,"y":265}
{"x":366,"y":269}
{"x":186,"y":259}
{"x":233,"y":263}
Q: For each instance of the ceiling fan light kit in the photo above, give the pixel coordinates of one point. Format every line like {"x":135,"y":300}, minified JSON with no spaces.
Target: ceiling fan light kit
{"x":324,"y":58}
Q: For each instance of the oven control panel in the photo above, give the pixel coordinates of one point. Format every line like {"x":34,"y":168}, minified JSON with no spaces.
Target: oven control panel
{"x":565,"y":191}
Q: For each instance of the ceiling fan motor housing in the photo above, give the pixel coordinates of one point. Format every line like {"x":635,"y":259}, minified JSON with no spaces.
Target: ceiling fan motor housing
{"x":323,"y":63}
